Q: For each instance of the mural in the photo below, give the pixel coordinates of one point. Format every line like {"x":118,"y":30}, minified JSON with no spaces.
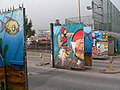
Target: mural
{"x":69,"y":46}
{"x":2,"y":69}
{"x":100,"y":44}
{"x":117,"y":44}
{"x":88,"y":46}
{"x":12,"y":49}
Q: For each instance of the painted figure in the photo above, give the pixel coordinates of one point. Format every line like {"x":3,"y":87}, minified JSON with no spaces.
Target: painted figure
{"x":102,"y":49}
{"x":94,"y":37}
{"x":100,"y":44}
{"x":78,"y":46}
{"x":64,"y":55}
{"x":11,"y":26}
{"x":62,"y":39}
{"x":64,"y":52}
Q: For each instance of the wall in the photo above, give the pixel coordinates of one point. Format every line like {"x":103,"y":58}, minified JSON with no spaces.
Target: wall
{"x":2,"y":71}
{"x":117,"y":44}
{"x":68,"y":46}
{"x":100,"y":44}
{"x":88,"y":46}
{"x":12,"y":47}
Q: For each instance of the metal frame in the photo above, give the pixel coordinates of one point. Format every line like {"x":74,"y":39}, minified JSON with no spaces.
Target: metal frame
{"x":25,"y":54}
{"x":52,"y":45}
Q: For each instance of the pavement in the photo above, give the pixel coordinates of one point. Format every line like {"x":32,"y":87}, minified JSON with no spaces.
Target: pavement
{"x":97,"y":65}
{"x":47,"y":78}
{"x":107,"y":71}
{"x":103,"y":66}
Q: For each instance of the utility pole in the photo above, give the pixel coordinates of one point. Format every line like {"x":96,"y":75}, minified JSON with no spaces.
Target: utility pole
{"x":79,"y":16}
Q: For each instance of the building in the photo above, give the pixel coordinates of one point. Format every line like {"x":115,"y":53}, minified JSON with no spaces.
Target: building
{"x":105,"y":17}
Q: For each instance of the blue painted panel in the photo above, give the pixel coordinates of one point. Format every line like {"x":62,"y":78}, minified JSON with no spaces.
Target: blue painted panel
{"x":69,"y":45}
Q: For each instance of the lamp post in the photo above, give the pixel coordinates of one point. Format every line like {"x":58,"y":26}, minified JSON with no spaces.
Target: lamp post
{"x":79,"y":16}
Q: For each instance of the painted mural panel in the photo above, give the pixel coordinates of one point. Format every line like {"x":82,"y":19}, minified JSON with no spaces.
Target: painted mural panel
{"x":88,"y":46}
{"x":69,"y":46}
{"x":12,"y":48}
{"x":117,"y":44}
{"x":2,"y":72}
{"x":100,"y":44}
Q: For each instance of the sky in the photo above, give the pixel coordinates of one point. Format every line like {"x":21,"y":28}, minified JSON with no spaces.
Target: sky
{"x":43,"y":12}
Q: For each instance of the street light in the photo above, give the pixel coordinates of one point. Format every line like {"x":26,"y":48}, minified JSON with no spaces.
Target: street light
{"x":92,"y":7}
{"x":89,"y":7}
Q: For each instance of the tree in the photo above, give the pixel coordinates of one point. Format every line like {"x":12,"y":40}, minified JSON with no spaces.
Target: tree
{"x":29,"y":31}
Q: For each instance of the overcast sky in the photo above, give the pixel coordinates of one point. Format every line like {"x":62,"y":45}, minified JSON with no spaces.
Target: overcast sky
{"x":42,"y":12}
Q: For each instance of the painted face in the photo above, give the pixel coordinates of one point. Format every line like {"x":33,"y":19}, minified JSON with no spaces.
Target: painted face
{"x":79,"y":44}
{"x":68,"y":52}
{"x":93,"y":35}
{"x":12,"y":27}
{"x":65,"y":32}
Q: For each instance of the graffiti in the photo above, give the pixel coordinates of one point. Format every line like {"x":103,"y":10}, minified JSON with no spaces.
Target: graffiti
{"x":69,"y":46}
{"x":88,"y":46}
{"x":62,"y":42}
{"x":78,"y":46}
{"x":2,"y":65}
{"x":117,"y":44}
{"x":11,"y":26}
{"x":100,"y":44}
{"x":12,"y":49}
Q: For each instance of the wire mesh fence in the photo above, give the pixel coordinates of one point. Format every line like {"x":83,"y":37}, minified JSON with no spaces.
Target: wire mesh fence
{"x":86,"y":20}
{"x":105,"y":16}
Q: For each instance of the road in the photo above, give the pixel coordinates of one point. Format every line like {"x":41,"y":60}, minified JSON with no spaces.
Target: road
{"x":47,"y":78}
{"x":105,"y":63}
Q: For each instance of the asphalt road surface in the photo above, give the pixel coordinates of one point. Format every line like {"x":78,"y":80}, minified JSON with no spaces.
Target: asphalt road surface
{"x":105,"y":63}
{"x":47,"y":78}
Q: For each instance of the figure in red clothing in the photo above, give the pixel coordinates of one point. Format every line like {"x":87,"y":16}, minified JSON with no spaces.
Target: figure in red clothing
{"x":62,"y":39}
{"x":64,"y":52}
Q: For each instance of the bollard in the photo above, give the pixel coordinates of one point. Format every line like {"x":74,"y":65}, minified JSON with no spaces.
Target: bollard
{"x":41,"y":59}
{"x":111,"y":64}
{"x":40,"y":56}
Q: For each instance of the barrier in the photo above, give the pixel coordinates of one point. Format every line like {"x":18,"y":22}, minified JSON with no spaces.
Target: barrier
{"x":71,"y":46}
